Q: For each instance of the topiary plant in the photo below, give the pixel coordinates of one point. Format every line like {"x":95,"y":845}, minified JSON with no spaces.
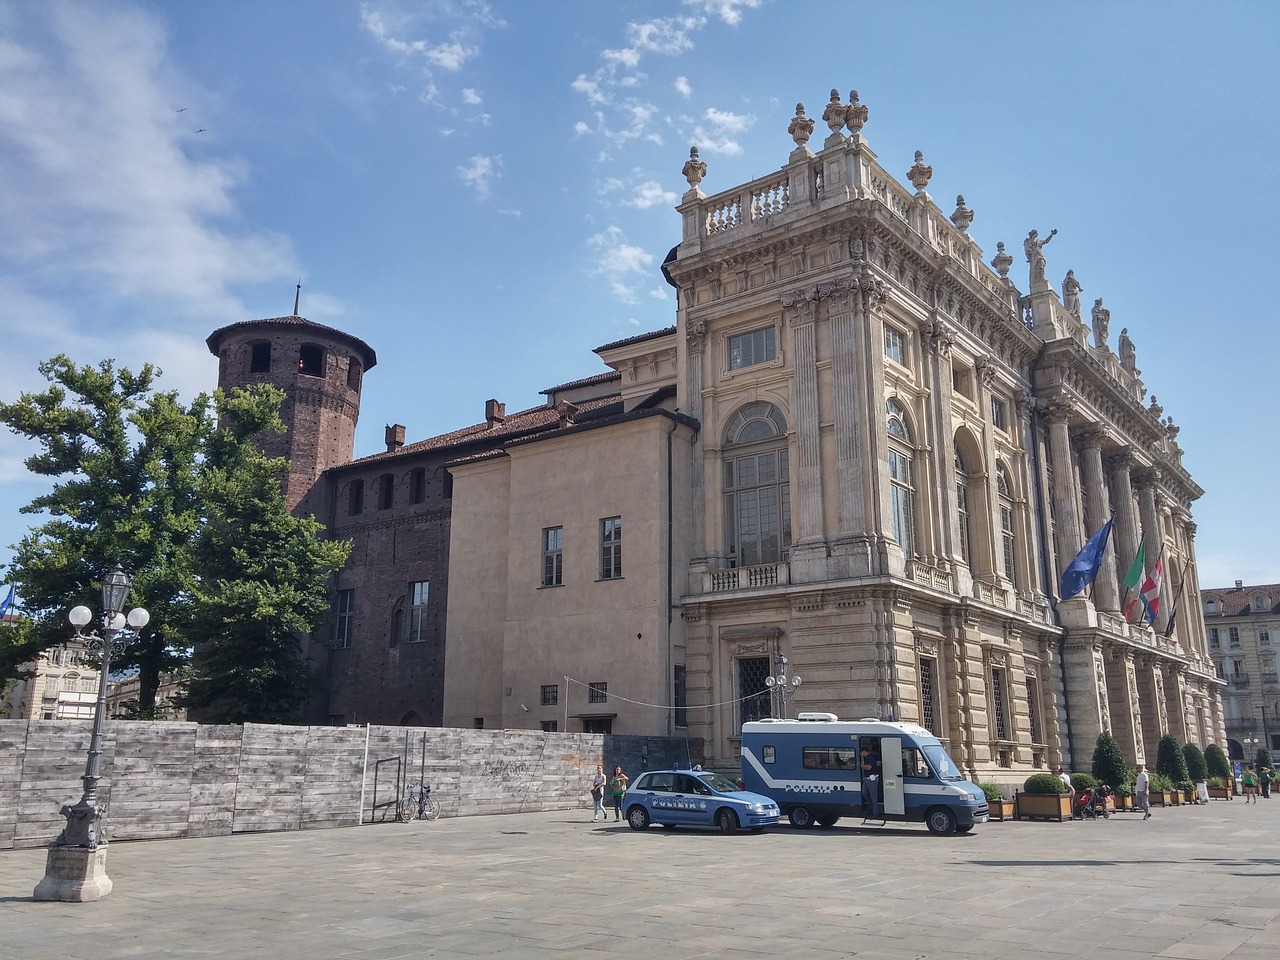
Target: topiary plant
{"x":1045,"y":784}
{"x":1170,"y":761}
{"x":991,"y":791}
{"x":1108,"y":762}
{"x":1262,"y":759}
{"x":1196,"y":768}
{"x":1216,"y":762}
{"x":1083,"y":781}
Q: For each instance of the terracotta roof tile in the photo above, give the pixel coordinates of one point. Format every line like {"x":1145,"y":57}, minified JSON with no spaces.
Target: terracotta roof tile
{"x":640,"y":338}
{"x":607,"y":377}
{"x":368,"y":357}
{"x":1237,"y":601}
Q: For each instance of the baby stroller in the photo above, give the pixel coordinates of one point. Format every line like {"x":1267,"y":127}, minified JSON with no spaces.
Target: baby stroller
{"x":1092,"y":803}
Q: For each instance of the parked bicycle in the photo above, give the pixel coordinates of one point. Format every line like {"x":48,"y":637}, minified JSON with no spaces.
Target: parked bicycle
{"x":418,"y":804}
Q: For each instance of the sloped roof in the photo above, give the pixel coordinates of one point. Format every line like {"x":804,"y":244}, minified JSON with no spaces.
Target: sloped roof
{"x":367,"y":356}
{"x":606,"y":377}
{"x":639,"y":338}
{"x":1238,"y":601}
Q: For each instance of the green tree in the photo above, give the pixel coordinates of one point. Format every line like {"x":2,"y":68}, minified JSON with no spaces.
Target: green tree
{"x":123,"y":459}
{"x":1262,"y":759}
{"x":1217,"y":762}
{"x":1170,"y":761}
{"x":18,"y":647}
{"x":1108,"y":762}
{"x":261,"y":575}
{"x":1197,"y":769}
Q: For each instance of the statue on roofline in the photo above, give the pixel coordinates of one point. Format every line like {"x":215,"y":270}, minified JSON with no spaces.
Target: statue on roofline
{"x":1033,"y":246}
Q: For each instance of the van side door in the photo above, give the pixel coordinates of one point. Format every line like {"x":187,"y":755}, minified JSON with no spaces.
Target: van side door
{"x":893,"y":795}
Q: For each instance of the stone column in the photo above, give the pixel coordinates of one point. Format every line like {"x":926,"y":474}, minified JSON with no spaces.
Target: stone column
{"x":936,"y":341}
{"x":1068,"y":540}
{"x":1123,"y":704}
{"x":1027,"y":527}
{"x":808,"y":549}
{"x":890,"y":557}
{"x":1106,"y":594}
{"x":852,"y":542}
{"x":1126,"y":529}
{"x":1149,"y":512}
{"x":703,"y":556}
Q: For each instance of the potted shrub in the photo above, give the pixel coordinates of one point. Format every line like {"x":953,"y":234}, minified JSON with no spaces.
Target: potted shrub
{"x":1218,"y":765}
{"x":1197,"y":770}
{"x":1043,"y":797}
{"x":1161,"y":790}
{"x":1172,"y":764}
{"x":1219,"y":788}
{"x":1000,"y":808}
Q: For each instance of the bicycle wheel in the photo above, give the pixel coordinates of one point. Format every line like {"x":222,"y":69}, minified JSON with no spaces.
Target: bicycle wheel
{"x":431,"y":809}
{"x":409,"y":808}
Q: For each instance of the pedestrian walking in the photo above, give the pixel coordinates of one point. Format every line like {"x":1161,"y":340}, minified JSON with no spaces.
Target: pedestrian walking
{"x":598,"y":783}
{"x":619,"y":785}
{"x":1142,"y":792}
{"x":1265,"y":776}
{"x":1250,"y":780}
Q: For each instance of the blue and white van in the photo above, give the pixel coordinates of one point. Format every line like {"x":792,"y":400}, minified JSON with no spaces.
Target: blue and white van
{"x":813,"y":768}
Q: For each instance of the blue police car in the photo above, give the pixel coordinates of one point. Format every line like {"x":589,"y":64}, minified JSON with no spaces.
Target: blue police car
{"x":695,"y":798}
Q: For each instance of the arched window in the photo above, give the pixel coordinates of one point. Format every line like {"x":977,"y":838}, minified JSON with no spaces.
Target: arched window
{"x":1008,"y":541}
{"x":901,"y":488}
{"x":757,"y":486}
{"x":311,"y":360}
{"x":260,"y":358}
{"x":962,"y":505}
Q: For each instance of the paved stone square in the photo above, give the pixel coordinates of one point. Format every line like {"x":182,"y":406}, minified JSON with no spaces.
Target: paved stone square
{"x":1197,"y":883}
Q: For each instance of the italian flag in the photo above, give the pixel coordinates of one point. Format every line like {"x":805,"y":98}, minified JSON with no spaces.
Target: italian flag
{"x":1131,"y":580}
{"x":1151,"y":592}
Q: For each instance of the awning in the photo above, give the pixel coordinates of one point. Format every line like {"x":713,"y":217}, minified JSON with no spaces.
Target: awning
{"x":594,"y":716}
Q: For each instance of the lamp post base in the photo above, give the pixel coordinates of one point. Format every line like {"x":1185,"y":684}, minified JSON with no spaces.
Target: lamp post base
{"x":75,"y":875}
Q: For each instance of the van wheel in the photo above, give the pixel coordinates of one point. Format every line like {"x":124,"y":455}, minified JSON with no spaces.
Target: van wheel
{"x":941,"y":821}
{"x":963,"y":827}
{"x":727,"y":821}
{"x":801,"y":817}
{"x":638,"y":818}
{"x":827,"y":820}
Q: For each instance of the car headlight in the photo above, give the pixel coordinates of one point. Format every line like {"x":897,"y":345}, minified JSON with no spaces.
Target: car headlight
{"x":759,"y":808}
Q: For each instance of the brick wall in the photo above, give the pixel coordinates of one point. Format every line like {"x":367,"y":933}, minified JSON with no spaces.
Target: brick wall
{"x":168,"y":779}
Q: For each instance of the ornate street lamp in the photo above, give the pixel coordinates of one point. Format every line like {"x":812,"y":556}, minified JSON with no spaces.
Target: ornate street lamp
{"x":76,"y":869}
{"x":782,"y":686}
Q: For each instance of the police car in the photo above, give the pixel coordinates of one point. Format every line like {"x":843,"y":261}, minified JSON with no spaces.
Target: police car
{"x":695,"y":798}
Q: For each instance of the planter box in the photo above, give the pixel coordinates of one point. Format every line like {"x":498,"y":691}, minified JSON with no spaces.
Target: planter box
{"x":1219,"y":793}
{"x":1175,"y":797}
{"x":1035,"y":806}
{"x":1161,"y":798}
{"x":1122,"y":804}
{"x":1000,"y":809}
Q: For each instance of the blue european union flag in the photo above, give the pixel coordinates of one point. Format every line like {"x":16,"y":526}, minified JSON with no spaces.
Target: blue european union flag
{"x":1084,"y":568}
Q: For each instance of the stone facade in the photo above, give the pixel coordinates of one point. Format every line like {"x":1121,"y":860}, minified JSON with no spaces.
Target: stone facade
{"x":1243,"y":627}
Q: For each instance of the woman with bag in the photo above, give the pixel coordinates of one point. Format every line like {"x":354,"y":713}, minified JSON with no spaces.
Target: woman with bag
{"x":597,"y":794}
{"x":619,"y":784}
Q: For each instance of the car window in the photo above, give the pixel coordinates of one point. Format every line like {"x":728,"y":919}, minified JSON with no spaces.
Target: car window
{"x":658,"y":782}
{"x":688,"y":784}
{"x":913,"y":764}
{"x":719,"y":782}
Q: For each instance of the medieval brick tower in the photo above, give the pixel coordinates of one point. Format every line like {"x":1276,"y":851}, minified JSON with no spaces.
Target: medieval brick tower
{"x":320,"y":370}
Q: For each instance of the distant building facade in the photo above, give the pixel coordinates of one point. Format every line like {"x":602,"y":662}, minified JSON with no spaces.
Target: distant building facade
{"x":63,"y":686}
{"x":1243,"y":628}
{"x":860,"y":448}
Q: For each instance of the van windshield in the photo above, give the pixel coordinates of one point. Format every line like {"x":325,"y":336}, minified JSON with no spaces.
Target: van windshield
{"x":941,"y":763}
{"x":719,"y":783}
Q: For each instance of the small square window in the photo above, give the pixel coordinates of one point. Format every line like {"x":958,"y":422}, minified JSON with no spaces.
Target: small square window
{"x":749,"y":349}
{"x":550,"y":694}
{"x":894,"y":345}
{"x":598,"y":692}
{"x":550,"y":726}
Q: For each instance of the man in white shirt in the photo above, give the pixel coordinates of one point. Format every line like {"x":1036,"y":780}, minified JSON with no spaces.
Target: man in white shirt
{"x":1142,"y":792}
{"x":1070,"y":790}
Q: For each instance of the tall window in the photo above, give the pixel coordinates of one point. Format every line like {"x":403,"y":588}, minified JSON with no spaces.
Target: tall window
{"x":418,"y":485}
{"x":355,"y":497}
{"x":343,"y":617}
{"x":418,"y":611}
{"x":962,"y":503}
{"x":1233,"y":636}
{"x":999,"y":414}
{"x":353,"y":374}
{"x":260,"y":358}
{"x":998,"y":703}
{"x":611,"y":548}
{"x":748,"y":349}
{"x":1007,"y":540}
{"x":1033,"y":709}
{"x":553,"y":556}
{"x":386,"y":491}
{"x":598,"y":692}
{"x":680,"y":696}
{"x":550,"y":694}
{"x":894,"y":345}
{"x":311,"y":360}
{"x":901,"y":490}
{"x":1264,"y":637}
{"x":929,"y":695}
{"x":757,"y":486}
{"x":1213,"y":637}
{"x":753,"y":694}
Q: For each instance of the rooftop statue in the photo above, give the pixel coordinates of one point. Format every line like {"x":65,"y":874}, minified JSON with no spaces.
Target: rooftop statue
{"x":801,"y":127}
{"x":694,"y":169}
{"x":1034,"y":248}
{"x":834,"y":115}
{"x":1071,"y":294}
{"x":919,"y":174}
{"x":1101,"y":320}
{"x":963,"y":216}
{"x":855,"y":115}
{"x":1128,"y":356}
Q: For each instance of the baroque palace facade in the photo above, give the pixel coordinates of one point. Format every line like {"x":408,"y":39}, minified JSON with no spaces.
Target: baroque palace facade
{"x":861,"y":457}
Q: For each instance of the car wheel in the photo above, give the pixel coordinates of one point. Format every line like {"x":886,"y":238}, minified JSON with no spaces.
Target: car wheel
{"x":964,"y":828}
{"x":801,"y":817}
{"x":941,"y":821}
{"x":827,"y":820}
{"x":727,"y":821}
{"x":638,"y":818}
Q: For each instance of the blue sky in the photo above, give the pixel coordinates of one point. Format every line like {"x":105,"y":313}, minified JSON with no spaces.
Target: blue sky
{"x":484,"y":191}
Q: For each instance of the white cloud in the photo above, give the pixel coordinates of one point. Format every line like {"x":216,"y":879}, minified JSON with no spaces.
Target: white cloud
{"x":471,"y":97}
{"x":480,"y":173}
{"x":718,"y":133}
{"x":730,"y":11}
{"x":581,"y":129}
{"x":683,"y":87}
{"x":650,"y":194}
{"x":621,"y":263}
{"x":449,"y":55}
{"x":590,"y":88}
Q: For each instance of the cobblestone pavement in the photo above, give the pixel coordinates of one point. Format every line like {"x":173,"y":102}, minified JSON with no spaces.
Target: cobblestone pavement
{"x":1199,"y":883}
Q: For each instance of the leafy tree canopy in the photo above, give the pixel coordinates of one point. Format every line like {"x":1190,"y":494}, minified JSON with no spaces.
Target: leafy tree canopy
{"x":1170,"y":760}
{"x":1108,"y":762}
{"x":1216,"y":760}
{"x":1197,"y":770}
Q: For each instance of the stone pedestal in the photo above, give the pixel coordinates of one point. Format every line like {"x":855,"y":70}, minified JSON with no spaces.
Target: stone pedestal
{"x":75,"y":875}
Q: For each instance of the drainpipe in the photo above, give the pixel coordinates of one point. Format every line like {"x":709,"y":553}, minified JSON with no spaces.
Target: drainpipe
{"x":1045,"y":570}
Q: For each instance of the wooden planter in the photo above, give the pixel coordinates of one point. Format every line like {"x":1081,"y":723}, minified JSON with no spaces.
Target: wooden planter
{"x":1219,"y":793}
{"x":1161,"y":798}
{"x":1000,"y":809}
{"x":1175,"y":797}
{"x":1036,"y":806}
{"x":1122,"y":804}
{"x":1189,"y":795}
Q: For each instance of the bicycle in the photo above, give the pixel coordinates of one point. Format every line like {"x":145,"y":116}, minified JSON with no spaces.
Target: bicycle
{"x":418,"y":804}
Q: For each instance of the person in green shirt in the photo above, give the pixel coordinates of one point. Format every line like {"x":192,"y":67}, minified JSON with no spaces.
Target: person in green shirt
{"x":1250,"y":780}
{"x":1265,"y":776}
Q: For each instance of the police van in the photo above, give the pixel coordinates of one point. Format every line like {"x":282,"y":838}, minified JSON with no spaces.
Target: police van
{"x":818,"y":769}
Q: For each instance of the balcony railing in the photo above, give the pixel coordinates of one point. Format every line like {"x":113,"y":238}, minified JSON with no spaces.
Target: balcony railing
{"x":1240,"y":682}
{"x":747,"y":578}
{"x":1241,"y":724}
